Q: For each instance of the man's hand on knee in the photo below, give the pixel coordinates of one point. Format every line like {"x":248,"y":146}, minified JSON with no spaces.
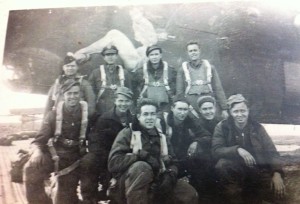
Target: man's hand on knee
{"x":247,"y":157}
{"x":168,"y":182}
{"x":145,"y":156}
{"x":36,"y":158}
{"x":277,"y":185}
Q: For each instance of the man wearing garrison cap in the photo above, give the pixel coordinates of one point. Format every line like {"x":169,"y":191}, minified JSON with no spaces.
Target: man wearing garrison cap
{"x":101,"y":139}
{"x":70,"y":72}
{"x":249,"y":166}
{"x":107,"y":78}
{"x":156,"y":79}
{"x":58,"y":148}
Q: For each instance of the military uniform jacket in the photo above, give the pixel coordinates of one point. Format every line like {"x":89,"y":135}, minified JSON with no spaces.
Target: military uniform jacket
{"x":112,"y":78}
{"x":106,"y":130}
{"x":156,"y":89}
{"x":121,"y":156}
{"x":208,"y":125}
{"x":199,"y":74}
{"x":224,"y":144}
{"x":71,"y":125}
{"x":185,"y":134}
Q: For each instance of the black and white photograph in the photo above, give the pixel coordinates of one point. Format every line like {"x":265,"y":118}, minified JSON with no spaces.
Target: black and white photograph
{"x":177,"y":102}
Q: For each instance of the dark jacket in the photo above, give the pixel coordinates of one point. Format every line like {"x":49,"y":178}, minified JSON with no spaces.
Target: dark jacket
{"x":105,"y":131}
{"x":183,"y":135}
{"x":121,"y":156}
{"x":208,"y":125}
{"x":224,"y":144}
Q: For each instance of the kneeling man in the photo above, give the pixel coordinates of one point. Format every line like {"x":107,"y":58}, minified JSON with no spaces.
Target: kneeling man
{"x":142,"y":161}
{"x":248,"y":163}
{"x":57,"y":148}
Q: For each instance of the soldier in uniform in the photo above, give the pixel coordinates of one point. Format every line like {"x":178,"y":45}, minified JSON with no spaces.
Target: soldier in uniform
{"x":57,"y":148}
{"x":249,"y":166}
{"x":207,"y":113}
{"x":100,"y":139}
{"x":141,"y":159}
{"x":156,"y":79}
{"x":107,"y":78}
{"x":70,"y":72}
{"x":185,"y":135}
{"x":198,"y":77}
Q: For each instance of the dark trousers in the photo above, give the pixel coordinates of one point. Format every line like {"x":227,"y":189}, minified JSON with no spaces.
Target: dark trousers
{"x":241,"y":184}
{"x":202,"y":175}
{"x":134,"y":187}
{"x":94,"y":166}
{"x":35,"y":187}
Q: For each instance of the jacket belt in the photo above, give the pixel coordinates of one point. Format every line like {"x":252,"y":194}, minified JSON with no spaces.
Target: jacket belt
{"x":68,"y":142}
{"x":156,"y":84}
{"x":199,"y":83}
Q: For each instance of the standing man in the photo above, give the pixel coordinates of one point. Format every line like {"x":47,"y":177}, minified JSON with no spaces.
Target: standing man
{"x":100,"y":139}
{"x":141,"y":160}
{"x":207,"y":117}
{"x":57,"y":148}
{"x":107,"y":78}
{"x":248,"y":166}
{"x":70,"y":72}
{"x":198,"y":77}
{"x":156,"y":79}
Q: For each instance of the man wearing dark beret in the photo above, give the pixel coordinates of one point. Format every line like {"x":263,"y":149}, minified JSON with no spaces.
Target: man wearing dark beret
{"x":198,"y":77}
{"x":107,"y":78}
{"x":70,"y":72}
{"x":58,"y":148}
{"x":248,"y":164}
{"x":156,"y":79}
{"x":100,"y":140}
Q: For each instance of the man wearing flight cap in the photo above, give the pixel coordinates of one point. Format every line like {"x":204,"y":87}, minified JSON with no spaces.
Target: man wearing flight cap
{"x":207,"y":113}
{"x":202,"y":167}
{"x":248,"y":166}
{"x":58,"y":148}
{"x":156,"y":79}
{"x":100,"y":141}
{"x":107,"y":78}
{"x":70,"y":72}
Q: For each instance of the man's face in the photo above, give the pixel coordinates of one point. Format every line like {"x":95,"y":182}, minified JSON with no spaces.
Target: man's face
{"x":147,"y":117}
{"x":70,"y":69}
{"x":72,"y":96}
{"x":193,"y":52}
{"x":207,"y":110}
{"x":240,"y":113}
{"x":110,"y":58}
{"x":122,"y":103}
{"x":155,"y":56}
{"x":180,"y":110}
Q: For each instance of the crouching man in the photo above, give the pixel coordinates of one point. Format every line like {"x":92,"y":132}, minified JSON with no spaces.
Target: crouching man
{"x":141,"y":160}
{"x":248,"y":164}
{"x":57,"y":148}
